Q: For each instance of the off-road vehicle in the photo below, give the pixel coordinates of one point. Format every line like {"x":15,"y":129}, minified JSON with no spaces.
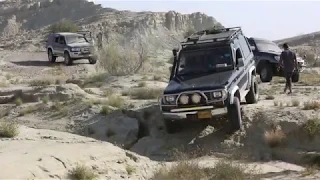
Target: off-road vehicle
{"x":70,"y":46}
{"x":213,"y":71}
{"x":267,"y":56}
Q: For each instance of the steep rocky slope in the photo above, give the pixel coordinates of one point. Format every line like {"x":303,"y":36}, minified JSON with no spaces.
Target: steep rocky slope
{"x":26,"y":20}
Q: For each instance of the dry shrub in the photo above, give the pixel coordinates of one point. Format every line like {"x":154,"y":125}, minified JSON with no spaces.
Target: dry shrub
{"x":64,"y":26}
{"x":274,"y":137}
{"x":81,"y":172}
{"x":223,"y":170}
{"x":118,"y":61}
{"x":311,"y":127}
{"x":8,"y":129}
{"x":311,"y":105}
{"x":181,"y":170}
{"x":270,"y":97}
{"x":105,"y":110}
{"x":143,"y":93}
{"x":116,"y":101}
{"x":309,"y":79}
{"x":295,"y":102}
{"x":28,"y":110}
{"x":142,"y":84}
{"x":41,"y":82}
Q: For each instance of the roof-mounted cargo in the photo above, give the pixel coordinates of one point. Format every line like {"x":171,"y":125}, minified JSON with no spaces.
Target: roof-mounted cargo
{"x":212,"y":36}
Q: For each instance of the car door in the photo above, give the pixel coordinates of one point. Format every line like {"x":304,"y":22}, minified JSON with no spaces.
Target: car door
{"x":242,"y":71}
{"x":55,"y":44}
{"x":61,"y":44}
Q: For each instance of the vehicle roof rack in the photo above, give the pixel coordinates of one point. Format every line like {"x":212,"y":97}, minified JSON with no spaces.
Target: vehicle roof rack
{"x":217,"y":35}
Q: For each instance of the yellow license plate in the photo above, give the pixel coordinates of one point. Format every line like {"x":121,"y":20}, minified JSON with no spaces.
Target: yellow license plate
{"x":204,"y":115}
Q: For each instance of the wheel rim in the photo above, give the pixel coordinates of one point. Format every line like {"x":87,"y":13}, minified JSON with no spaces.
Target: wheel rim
{"x":263,"y":73}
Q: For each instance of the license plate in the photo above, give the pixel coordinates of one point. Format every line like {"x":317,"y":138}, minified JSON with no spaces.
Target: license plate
{"x":204,"y":115}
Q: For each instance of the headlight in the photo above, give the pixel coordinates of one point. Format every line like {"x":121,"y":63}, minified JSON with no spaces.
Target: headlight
{"x":196,"y":98}
{"x":219,"y":94}
{"x":184,"y":99}
{"x":75,"y":49}
{"x":169,"y":98}
{"x":277,"y":58}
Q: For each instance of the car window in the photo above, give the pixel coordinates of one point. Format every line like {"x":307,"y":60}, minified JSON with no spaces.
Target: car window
{"x":244,"y":46}
{"x":62,"y":40}
{"x":56,"y":39}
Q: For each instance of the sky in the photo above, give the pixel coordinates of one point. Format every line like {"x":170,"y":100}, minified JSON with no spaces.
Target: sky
{"x":265,"y":19}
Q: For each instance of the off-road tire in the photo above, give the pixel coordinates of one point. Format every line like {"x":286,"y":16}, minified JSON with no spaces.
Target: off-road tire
{"x":234,"y":114}
{"x":171,"y":126}
{"x":92,"y":60}
{"x":51,"y":57}
{"x":266,"y":72}
{"x":295,"y":77}
{"x":253,"y":95}
{"x":67,"y":59}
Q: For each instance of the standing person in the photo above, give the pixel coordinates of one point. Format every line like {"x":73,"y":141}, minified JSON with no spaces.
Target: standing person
{"x":288,"y":61}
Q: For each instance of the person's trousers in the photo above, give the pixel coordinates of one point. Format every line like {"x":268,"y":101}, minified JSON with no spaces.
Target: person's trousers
{"x":288,"y":76}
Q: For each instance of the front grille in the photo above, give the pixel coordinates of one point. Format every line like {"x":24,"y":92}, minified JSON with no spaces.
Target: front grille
{"x":190,"y":103}
{"x":85,"y":50}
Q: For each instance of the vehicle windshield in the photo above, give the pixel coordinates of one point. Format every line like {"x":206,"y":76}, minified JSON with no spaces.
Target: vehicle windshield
{"x":206,"y":60}
{"x":267,"y":46}
{"x":75,"y":39}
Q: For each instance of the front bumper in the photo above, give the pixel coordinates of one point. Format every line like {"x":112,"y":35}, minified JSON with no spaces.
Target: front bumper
{"x":78,"y":55}
{"x":183,"y":113}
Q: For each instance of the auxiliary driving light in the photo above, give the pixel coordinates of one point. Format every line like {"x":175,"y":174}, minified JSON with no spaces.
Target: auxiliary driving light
{"x":184,"y":99}
{"x":196,"y":98}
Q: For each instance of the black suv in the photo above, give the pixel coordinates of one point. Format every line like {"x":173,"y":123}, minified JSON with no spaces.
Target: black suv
{"x":70,"y":46}
{"x":267,"y":56}
{"x":213,"y":71}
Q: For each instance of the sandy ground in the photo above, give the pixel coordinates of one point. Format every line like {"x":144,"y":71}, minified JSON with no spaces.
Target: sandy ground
{"x":49,"y":138}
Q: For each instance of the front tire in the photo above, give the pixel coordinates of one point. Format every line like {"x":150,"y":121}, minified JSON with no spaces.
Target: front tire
{"x":67,"y":59}
{"x":266,"y":72}
{"x":51,"y":57}
{"x":92,"y":60}
{"x":234,"y":114}
{"x":171,"y":126}
{"x":253,"y":95}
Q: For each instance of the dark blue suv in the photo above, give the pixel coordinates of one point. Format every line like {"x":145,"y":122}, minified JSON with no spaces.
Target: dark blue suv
{"x":267,"y":56}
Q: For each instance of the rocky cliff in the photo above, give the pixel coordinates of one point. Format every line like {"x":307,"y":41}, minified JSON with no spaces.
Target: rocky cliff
{"x":26,"y":22}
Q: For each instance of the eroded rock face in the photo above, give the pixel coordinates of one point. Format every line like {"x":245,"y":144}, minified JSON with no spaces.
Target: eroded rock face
{"x":27,"y":22}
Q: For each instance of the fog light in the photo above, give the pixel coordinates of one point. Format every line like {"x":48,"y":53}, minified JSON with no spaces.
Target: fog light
{"x":196,"y":98}
{"x":184,"y":99}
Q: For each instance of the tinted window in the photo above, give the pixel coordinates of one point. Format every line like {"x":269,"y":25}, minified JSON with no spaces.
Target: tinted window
{"x":244,"y":46}
{"x":207,"y":60}
{"x":56,"y":39}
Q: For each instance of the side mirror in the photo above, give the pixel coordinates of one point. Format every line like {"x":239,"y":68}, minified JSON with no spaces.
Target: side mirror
{"x":174,"y":52}
{"x":240,"y":62}
{"x":253,"y":48}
